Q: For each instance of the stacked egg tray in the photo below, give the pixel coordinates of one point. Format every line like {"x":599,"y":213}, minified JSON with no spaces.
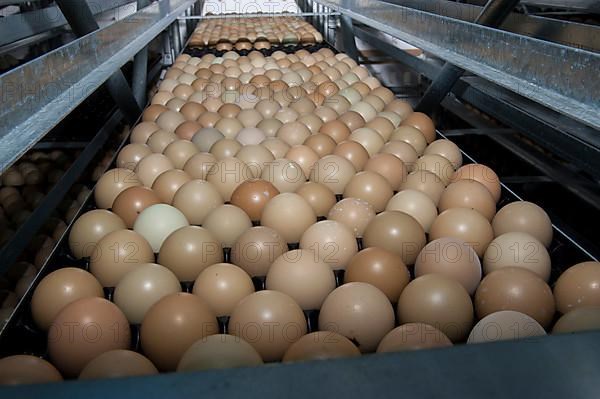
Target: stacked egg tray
{"x":396,"y":123}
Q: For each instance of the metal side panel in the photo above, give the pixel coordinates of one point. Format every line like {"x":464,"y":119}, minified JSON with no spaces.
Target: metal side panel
{"x":560,"y":77}
{"x":38,"y":95}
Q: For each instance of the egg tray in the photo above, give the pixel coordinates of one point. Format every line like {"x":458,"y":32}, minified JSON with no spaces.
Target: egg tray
{"x":288,"y":49}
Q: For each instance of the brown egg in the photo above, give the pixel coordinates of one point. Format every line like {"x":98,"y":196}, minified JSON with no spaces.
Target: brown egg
{"x":252,"y":196}
{"x":152,"y":166}
{"x":270,"y":321}
{"x":436,"y":164}
{"x":412,"y":136}
{"x":269,"y":126}
{"x":114,"y":182}
{"x":209,"y":119}
{"x":142,"y":132}
{"x":160,"y":139}
{"x":426,"y":182}
{"x":439,"y":301}
{"x":139,"y":289}
{"x":579,"y":319}
{"x":293,"y":133}
{"x":354,"y":213}
{"x":219,"y":351}
{"x":256,"y":157}
{"x":192,"y":111}
{"x":229,"y":110}
{"x":58,"y":289}
{"x":116,"y":364}
{"x":27,"y":369}
{"x":334,"y":172}
{"x":416,"y":204}
{"x":222,"y":286}
{"x":187,"y":129}
{"x":306,"y":278}
{"x":162,"y":97}
{"x":172,"y":325}
{"x":447,"y":149}
{"x":304,"y":156}
{"x":331,"y":241}
{"x":86,"y":322}
{"x":352,"y":120}
{"x":116,"y":254}
{"x":514,"y":288}
{"x":169,"y":120}
{"x":321,"y":144}
{"x":90,"y":228}
{"x":525,"y":217}
{"x":227,"y":174}
{"x":268,"y":108}
{"x":335,"y":129}
{"x":188,"y":251}
{"x":227,"y":223}
{"x":289,"y":214}
{"x":468,"y":194}
{"x":400,"y":107}
{"x":381,"y":268}
{"x":422,"y":122}
{"x":483,"y":175}
{"x":384,"y":93}
{"x":404,"y":151}
{"x":320,"y":198}
{"x":413,"y":336}
{"x":518,"y":250}
{"x":230,"y":127}
{"x":321,"y":345}
{"x":206,"y":137}
{"x":370,"y":187}
{"x":213,"y":102}
{"x":166,"y":185}
{"x":197,"y":166}
{"x":360,"y":312}
{"x":397,"y":232}
{"x":382,"y":126}
{"x":131,"y":154}
{"x":256,"y":249}
{"x":277,"y":147}
{"x":505,"y":325}
{"x":179,"y":152}
{"x":466,"y":224}
{"x":326,"y":114}
{"x":354,"y":152}
{"x":284,"y":174}
{"x":225,"y":148}
{"x":578,"y":286}
{"x":152,"y":113}
{"x":453,"y":258}
{"x":388,"y":166}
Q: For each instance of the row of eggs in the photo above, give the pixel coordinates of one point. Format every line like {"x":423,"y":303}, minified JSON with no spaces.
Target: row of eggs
{"x":392,"y":228}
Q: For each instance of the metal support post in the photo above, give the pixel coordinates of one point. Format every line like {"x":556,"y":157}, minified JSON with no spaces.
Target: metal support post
{"x":348,"y":40}
{"x":82,"y":21}
{"x":140,"y":68}
{"x":492,"y":15}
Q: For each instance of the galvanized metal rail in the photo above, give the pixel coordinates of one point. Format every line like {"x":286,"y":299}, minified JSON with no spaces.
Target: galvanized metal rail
{"x":559,"y":77}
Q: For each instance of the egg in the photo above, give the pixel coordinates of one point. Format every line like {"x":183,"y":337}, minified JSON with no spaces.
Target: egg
{"x":381,"y":268}
{"x":352,"y":120}
{"x":518,"y":250}
{"x":198,"y":165}
{"x":131,"y":155}
{"x":412,"y":136}
{"x":166,"y":185}
{"x":256,"y":157}
{"x":219,"y":351}
{"x":331,"y":241}
{"x":425,"y":182}
{"x":525,"y":217}
{"x":196,"y":199}
{"x":86,"y":322}
{"x":399,"y":107}
{"x":172,"y":325}
{"x":397,"y":232}
{"x":334,"y":172}
{"x":277,"y":147}
{"x":360,"y":312}
{"x":152,"y":166}
{"x":269,"y":126}
{"x":466,"y":224}
{"x":58,"y":289}
{"x":116,"y":364}
{"x":152,"y":112}
{"x":505,"y":325}
{"x":179,"y":152}
{"x":227,"y":174}
{"x":192,"y":111}
{"x":117,"y":253}
{"x":448,"y":150}
{"x":413,"y":336}
{"x":354,"y":152}
{"x":142,"y":132}
{"x":438,"y":301}
{"x":112,"y":183}
{"x":578,"y":287}
{"x":270,"y":321}
{"x":187,"y":130}
{"x":370,"y":187}
{"x":222,"y":286}
{"x":514,"y":288}
{"x":321,"y":345}
{"x":468,"y":194}
{"x":422,"y":122}
{"x":293,"y":133}
{"x":579,"y":319}
{"x":169,"y":120}
{"x":289,"y":214}
{"x":160,"y":139}
{"x":156,"y":222}
{"x":320,"y":198}
{"x":206,"y":137}
{"x":483,"y":175}
{"x":321,"y":144}
{"x":27,"y":369}
{"x":335,"y":129}
{"x":416,"y":204}
{"x":354,"y":213}
{"x":326,"y":114}
{"x":256,"y":249}
{"x":90,"y":228}
{"x":209,"y":119}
